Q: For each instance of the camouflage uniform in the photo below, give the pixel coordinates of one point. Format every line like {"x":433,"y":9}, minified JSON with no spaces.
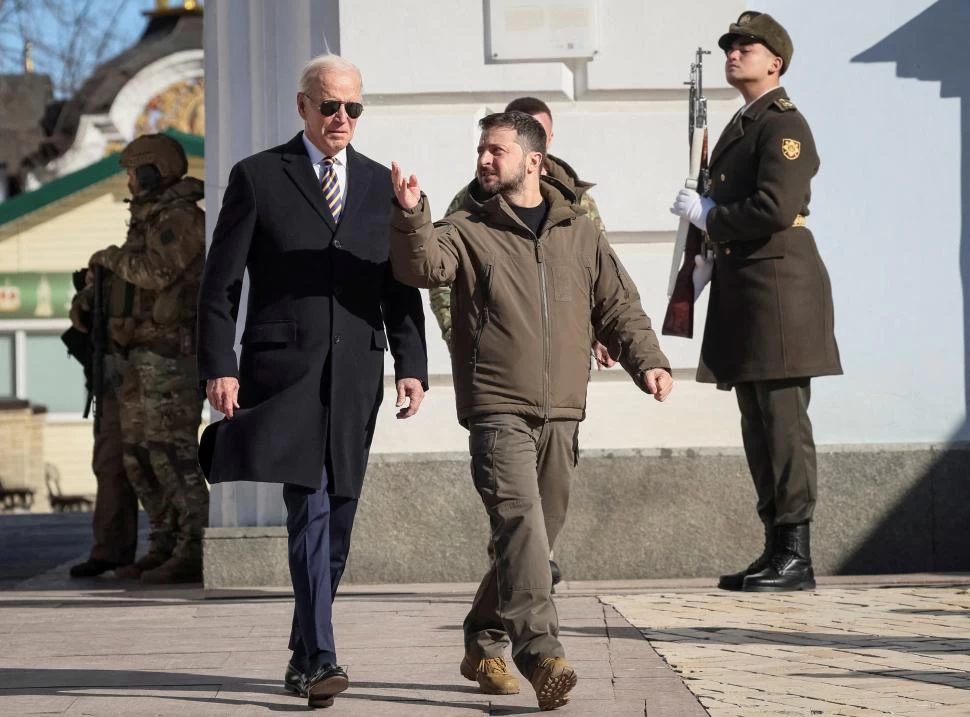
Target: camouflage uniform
{"x":554,"y":167}
{"x":152,"y":308}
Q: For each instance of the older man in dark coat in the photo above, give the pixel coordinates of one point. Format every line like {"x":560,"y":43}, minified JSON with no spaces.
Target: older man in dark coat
{"x":309,"y":220}
{"x":770,"y":317}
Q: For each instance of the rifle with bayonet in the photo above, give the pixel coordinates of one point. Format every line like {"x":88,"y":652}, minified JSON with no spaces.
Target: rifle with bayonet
{"x":691,"y":241}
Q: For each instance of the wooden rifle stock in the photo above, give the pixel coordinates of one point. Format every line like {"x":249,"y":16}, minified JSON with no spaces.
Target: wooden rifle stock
{"x":679,"y":319}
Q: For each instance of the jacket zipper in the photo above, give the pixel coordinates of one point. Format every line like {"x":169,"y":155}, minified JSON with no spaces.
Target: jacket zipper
{"x":486,"y":296}
{"x":546,"y":369}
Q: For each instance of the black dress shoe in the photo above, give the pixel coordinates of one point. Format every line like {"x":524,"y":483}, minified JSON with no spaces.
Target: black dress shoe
{"x":92,"y":568}
{"x":294,"y":681}
{"x":326,"y":682}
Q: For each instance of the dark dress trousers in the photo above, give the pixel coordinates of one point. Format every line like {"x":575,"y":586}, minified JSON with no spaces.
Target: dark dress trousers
{"x":770,"y":320}
{"x":323,"y":307}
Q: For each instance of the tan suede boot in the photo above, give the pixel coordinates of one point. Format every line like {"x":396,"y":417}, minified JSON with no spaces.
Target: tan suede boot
{"x":491,"y":674}
{"x":552,"y":680}
{"x":148,"y":561}
{"x":176,"y":569}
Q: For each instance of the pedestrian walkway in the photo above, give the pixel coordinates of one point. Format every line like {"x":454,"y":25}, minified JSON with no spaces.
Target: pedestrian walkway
{"x":111,"y":651}
{"x":859,"y":652}
{"x":103,"y":648}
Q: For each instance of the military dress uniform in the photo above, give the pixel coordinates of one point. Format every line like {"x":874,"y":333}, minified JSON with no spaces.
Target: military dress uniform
{"x":770,"y":321}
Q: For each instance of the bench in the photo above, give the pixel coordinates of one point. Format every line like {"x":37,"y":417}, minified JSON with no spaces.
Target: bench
{"x":12,"y":499}
{"x":61,"y":503}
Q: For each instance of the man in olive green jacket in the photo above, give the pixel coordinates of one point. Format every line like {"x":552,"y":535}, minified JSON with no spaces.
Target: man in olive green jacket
{"x":552,"y":166}
{"x":533,"y":280}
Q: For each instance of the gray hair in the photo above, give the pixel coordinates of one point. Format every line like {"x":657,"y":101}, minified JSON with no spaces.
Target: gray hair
{"x":327,"y":63}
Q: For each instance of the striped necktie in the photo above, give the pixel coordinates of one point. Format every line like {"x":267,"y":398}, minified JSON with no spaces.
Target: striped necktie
{"x":331,"y":189}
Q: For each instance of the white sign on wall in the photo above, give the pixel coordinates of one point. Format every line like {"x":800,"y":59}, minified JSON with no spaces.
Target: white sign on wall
{"x":523,"y":30}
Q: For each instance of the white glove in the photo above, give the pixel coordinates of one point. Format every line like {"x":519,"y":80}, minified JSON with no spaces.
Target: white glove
{"x":703,"y":269}
{"x":692,"y":206}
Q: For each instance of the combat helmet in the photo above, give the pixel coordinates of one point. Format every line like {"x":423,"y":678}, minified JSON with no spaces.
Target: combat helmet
{"x":156,"y":158}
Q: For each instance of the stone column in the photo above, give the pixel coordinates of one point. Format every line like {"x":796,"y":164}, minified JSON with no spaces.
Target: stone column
{"x":254,"y":51}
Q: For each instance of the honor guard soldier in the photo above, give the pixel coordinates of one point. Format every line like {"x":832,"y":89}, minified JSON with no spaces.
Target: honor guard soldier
{"x":770,"y":325}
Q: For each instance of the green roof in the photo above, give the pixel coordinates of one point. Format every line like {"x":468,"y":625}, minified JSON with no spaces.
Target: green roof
{"x":28,"y":202}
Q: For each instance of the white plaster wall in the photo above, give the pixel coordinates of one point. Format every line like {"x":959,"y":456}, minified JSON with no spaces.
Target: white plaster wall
{"x":886,"y":211}
{"x":890,"y":172}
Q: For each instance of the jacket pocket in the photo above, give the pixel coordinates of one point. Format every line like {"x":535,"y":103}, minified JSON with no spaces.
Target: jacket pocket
{"x":486,"y":294}
{"x":562,"y":280}
{"x":771,"y":248}
{"x":270,"y":332}
{"x":379,"y":341}
{"x":621,"y":274}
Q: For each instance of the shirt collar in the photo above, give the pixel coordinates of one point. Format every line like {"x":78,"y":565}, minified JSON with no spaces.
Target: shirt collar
{"x":316,"y":156}
{"x":751,"y":103}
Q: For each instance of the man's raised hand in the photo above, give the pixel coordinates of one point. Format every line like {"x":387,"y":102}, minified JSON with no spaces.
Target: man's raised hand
{"x":406,"y":189}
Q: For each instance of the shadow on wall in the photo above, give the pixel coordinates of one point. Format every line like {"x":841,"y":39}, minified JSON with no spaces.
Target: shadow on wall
{"x":930,"y":528}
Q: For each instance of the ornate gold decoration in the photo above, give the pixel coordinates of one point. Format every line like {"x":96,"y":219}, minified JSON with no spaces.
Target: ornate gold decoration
{"x":791,"y":148}
{"x":180,"y":107}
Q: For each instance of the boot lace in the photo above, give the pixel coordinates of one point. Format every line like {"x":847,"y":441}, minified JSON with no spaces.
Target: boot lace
{"x":493,"y":666}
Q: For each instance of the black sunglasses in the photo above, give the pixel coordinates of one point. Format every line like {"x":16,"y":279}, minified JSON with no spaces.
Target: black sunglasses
{"x":331,"y":107}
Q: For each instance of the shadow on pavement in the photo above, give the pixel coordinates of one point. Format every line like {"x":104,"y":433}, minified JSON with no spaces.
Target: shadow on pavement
{"x":125,"y":685}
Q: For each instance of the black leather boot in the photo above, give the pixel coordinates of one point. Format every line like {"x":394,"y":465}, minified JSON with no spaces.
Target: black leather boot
{"x":790,"y":566}
{"x":735,"y":581}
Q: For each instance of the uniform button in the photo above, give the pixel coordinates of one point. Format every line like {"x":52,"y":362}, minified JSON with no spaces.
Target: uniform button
{"x":723,"y":177}
{"x":337,"y":244}
{"x":338,"y":290}
{"x":337,"y":339}
{"x":727,"y":250}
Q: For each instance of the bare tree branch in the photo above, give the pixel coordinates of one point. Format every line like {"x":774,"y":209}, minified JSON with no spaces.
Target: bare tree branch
{"x":70,"y":38}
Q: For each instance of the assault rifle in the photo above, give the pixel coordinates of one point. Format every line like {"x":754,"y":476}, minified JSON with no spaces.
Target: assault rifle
{"x":88,"y":348}
{"x":690,"y":242}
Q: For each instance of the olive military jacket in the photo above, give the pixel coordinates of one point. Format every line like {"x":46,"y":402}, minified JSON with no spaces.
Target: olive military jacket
{"x":557,"y":169}
{"x":524,"y":306}
{"x":770,"y":314}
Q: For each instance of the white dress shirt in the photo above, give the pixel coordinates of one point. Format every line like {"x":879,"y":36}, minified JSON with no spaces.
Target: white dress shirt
{"x":339,"y":166}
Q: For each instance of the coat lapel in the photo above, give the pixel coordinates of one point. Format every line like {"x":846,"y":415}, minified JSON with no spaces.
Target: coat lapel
{"x":296,"y":164}
{"x":359,"y":177}
{"x":735,"y":131}
{"x":731,"y":134}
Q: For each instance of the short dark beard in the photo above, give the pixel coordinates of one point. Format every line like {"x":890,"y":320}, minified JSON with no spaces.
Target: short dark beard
{"x":510,"y":186}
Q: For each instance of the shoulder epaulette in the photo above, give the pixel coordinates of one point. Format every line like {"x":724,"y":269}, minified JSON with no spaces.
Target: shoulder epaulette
{"x":784,"y":104}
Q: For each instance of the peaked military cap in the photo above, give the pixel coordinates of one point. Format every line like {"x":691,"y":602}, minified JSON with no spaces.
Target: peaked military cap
{"x":760,"y":27}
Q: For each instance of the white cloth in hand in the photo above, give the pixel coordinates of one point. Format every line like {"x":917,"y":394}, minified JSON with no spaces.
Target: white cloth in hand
{"x":703,"y":270}
{"x":693,"y":207}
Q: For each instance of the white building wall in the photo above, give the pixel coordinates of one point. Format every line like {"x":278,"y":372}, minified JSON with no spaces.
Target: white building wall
{"x":886,"y":148}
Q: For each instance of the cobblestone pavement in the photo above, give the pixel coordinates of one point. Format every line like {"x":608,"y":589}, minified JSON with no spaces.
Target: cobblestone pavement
{"x":838,"y":651}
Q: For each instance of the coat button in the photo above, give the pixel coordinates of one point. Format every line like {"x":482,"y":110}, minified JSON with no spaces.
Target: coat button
{"x":337,"y":244}
{"x":727,"y":250}
{"x":337,"y":339}
{"x":723,"y":177}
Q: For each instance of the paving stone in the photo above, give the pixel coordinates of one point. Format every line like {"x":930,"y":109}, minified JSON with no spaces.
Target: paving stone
{"x":853,"y":652}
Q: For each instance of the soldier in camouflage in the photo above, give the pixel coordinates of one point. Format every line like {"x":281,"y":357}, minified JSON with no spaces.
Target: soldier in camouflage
{"x":151,"y":304}
{"x":554,"y":167}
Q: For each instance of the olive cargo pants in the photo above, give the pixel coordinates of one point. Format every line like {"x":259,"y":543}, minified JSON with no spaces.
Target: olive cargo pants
{"x":521,"y":468}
